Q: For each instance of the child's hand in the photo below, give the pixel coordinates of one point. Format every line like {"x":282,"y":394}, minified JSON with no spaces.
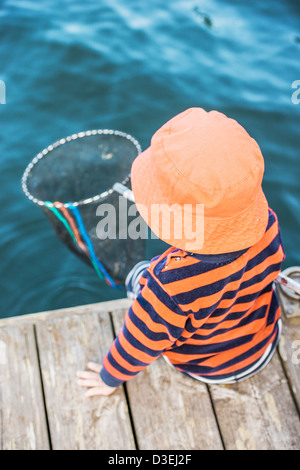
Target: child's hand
{"x":93,"y":381}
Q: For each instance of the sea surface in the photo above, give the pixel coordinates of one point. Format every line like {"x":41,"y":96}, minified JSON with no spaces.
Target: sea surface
{"x":69,"y":66}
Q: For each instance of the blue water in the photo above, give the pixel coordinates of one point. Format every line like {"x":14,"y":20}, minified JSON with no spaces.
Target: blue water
{"x":71,"y":66}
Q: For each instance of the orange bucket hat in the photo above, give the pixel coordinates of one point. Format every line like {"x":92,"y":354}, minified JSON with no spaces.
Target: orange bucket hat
{"x":203,"y":172}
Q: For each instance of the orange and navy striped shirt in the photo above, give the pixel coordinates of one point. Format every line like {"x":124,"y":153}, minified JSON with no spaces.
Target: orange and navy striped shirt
{"x":211,"y":318}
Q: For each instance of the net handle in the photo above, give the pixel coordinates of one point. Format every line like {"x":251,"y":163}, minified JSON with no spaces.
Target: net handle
{"x":63,"y":141}
{"x":124,"y":191}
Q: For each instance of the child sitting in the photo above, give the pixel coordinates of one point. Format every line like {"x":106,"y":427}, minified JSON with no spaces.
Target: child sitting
{"x":207,"y":305}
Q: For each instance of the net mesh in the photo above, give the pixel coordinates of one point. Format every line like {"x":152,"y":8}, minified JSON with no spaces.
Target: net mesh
{"x":70,"y":179}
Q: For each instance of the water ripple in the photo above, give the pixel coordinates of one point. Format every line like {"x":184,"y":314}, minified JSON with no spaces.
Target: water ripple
{"x":72,"y":66}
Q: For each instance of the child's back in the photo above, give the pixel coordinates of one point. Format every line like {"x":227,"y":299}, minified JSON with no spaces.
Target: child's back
{"x":208,"y":305}
{"x":218,"y":319}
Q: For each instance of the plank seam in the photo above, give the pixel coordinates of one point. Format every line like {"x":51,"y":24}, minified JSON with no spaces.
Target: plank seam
{"x":290,"y":385}
{"x":1,"y":433}
{"x":126,"y":394}
{"x":216,"y":416}
{"x":42,"y":386}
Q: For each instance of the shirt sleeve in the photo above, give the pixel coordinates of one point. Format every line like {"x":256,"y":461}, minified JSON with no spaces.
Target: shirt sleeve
{"x":152,"y":325}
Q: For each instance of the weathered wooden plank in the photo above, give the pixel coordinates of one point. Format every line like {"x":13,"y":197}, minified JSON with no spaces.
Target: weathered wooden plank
{"x":289,"y":350}
{"x":22,"y":414}
{"x":170,"y":411}
{"x":259,"y":412}
{"x":75,"y":422}
{"x":80,"y":310}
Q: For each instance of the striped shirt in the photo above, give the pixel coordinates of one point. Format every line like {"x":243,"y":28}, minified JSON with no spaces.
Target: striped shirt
{"x":212,"y":318}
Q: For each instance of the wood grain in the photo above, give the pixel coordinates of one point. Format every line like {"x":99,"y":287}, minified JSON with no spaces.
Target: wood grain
{"x":170,"y":411}
{"x":66,"y":344}
{"x":258,"y":413}
{"x":22,"y":415}
{"x":289,"y":350}
{"x":33,"y":318}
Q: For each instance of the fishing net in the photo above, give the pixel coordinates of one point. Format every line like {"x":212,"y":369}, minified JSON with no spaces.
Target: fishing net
{"x":70,"y":179}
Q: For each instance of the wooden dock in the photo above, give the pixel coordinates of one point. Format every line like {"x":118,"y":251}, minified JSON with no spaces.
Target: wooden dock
{"x":42,"y":407}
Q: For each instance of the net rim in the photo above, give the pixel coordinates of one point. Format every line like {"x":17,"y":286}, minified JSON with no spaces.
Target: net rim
{"x":63,"y":141}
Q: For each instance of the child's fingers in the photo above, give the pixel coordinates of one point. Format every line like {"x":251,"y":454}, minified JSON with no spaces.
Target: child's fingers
{"x":95,"y":367}
{"x":88,"y":383}
{"x":83,"y":374}
{"x":96,"y":391}
{"x":92,"y":392}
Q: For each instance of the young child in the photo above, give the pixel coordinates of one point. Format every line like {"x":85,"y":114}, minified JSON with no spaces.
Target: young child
{"x":207,"y":306}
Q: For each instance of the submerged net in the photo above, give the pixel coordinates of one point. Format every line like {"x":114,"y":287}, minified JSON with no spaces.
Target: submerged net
{"x":70,"y":179}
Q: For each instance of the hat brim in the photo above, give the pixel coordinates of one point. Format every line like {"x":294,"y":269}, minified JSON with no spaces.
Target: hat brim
{"x":210,"y":235}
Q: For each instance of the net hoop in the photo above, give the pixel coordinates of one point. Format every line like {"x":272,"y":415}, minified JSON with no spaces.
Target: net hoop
{"x":63,"y":141}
